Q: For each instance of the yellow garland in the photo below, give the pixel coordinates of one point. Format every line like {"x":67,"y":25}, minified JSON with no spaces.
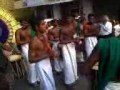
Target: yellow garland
{"x":11,"y":23}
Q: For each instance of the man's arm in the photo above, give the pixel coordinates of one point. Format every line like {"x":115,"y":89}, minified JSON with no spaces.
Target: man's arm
{"x":28,"y":38}
{"x":17,"y":36}
{"x":7,"y":47}
{"x":48,"y":48}
{"x":18,"y":40}
{"x":94,"y":57}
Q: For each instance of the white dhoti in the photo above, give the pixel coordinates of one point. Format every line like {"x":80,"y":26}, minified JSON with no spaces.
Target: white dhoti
{"x":90,"y":43}
{"x":70,"y":63}
{"x":30,"y":68}
{"x":58,"y":63}
{"x":44,"y":71}
{"x":112,"y":86}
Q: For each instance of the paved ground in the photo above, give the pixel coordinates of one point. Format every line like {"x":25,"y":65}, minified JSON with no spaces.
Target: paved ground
{"x":82,"y":84}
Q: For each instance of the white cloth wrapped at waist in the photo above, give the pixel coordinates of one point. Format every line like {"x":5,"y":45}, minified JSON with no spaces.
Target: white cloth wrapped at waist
{"x":117,"y":30}
{"x":13,"y":58}
{"x":112,"y":86}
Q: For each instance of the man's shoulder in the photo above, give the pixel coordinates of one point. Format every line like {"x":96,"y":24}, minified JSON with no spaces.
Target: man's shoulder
{"x":109,"y":23}
{"x":34,"y":40}
{"x":108,"y":40}
{"x":18,"y":30}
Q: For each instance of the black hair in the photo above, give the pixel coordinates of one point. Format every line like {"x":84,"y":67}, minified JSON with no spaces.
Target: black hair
{"x":21,"y":20}
{"x":82,"y":19}
{"x":90,"y":15}
{"x":67,"y":20}
{"x":38,"y":20}
{"x":52,"y":22}
{"x":35,"y":21}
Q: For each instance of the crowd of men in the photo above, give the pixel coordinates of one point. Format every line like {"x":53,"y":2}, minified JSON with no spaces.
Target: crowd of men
{"x":60,"y":41}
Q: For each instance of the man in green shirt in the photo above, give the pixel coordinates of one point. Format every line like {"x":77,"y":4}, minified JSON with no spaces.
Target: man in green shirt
{"x":107,"y":52}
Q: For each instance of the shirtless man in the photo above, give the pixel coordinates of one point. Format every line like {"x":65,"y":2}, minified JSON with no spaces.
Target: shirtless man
{"x":90,"y":33}
{"x":54,"y":38}
{"x":68,"y":52}
{"x":39,"y":53}
{"x":54,"y":32}
{"x":23,"y":38}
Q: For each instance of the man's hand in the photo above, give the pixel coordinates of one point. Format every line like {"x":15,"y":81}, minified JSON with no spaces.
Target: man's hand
{"x":87,"y":66}
{"x":59,"y":45}
{"x":84,"y":70}
{"x":53,"y":54}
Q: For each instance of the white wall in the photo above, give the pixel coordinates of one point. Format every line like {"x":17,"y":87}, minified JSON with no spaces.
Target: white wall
{"x":87,"y":7}
{"x":7,"y":4}
{"x":57,"y":11}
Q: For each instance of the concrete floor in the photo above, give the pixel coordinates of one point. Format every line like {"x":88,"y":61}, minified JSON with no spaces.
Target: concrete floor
{"x":82,"y":84}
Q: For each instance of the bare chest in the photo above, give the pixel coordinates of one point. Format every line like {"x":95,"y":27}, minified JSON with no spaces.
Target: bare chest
{"x":24,"y":34}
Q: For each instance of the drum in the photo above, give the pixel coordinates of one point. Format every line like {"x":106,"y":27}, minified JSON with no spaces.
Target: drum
{"x":14,"y":58}
{"x":17,"y":65}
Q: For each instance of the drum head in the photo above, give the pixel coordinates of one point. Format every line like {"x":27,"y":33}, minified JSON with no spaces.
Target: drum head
{"x":4,"y":32}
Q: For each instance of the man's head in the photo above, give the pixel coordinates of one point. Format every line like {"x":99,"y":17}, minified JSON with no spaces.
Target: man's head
{"x":71,"y":20}
{"x":91,"y":18}
{"x":54,"y":22}
{"x":41,"y":25}
{"x":24,"y":24}
{"x":104,"y":18}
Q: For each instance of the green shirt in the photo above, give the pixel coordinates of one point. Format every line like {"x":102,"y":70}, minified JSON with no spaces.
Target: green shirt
{"x":78,"y":28}
{"x":32,"y":32}
{"x":109,"y":60}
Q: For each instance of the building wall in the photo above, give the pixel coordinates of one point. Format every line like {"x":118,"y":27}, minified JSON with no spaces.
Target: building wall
{"x":57,"y":11}
{"x":109,"y":7}
{"x":18,"y":9}
{"x":87,"y":7}
{"x":22,"y":13}
{"x":7,"y":4}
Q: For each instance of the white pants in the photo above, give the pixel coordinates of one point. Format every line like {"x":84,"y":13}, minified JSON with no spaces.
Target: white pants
{"x":70,"y":63}
{"x":90,"y":43}
{"x":112,"y":86}
{"x":30,"y":68}
{"x":58,"y":64}
{"x":44,"y":71}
